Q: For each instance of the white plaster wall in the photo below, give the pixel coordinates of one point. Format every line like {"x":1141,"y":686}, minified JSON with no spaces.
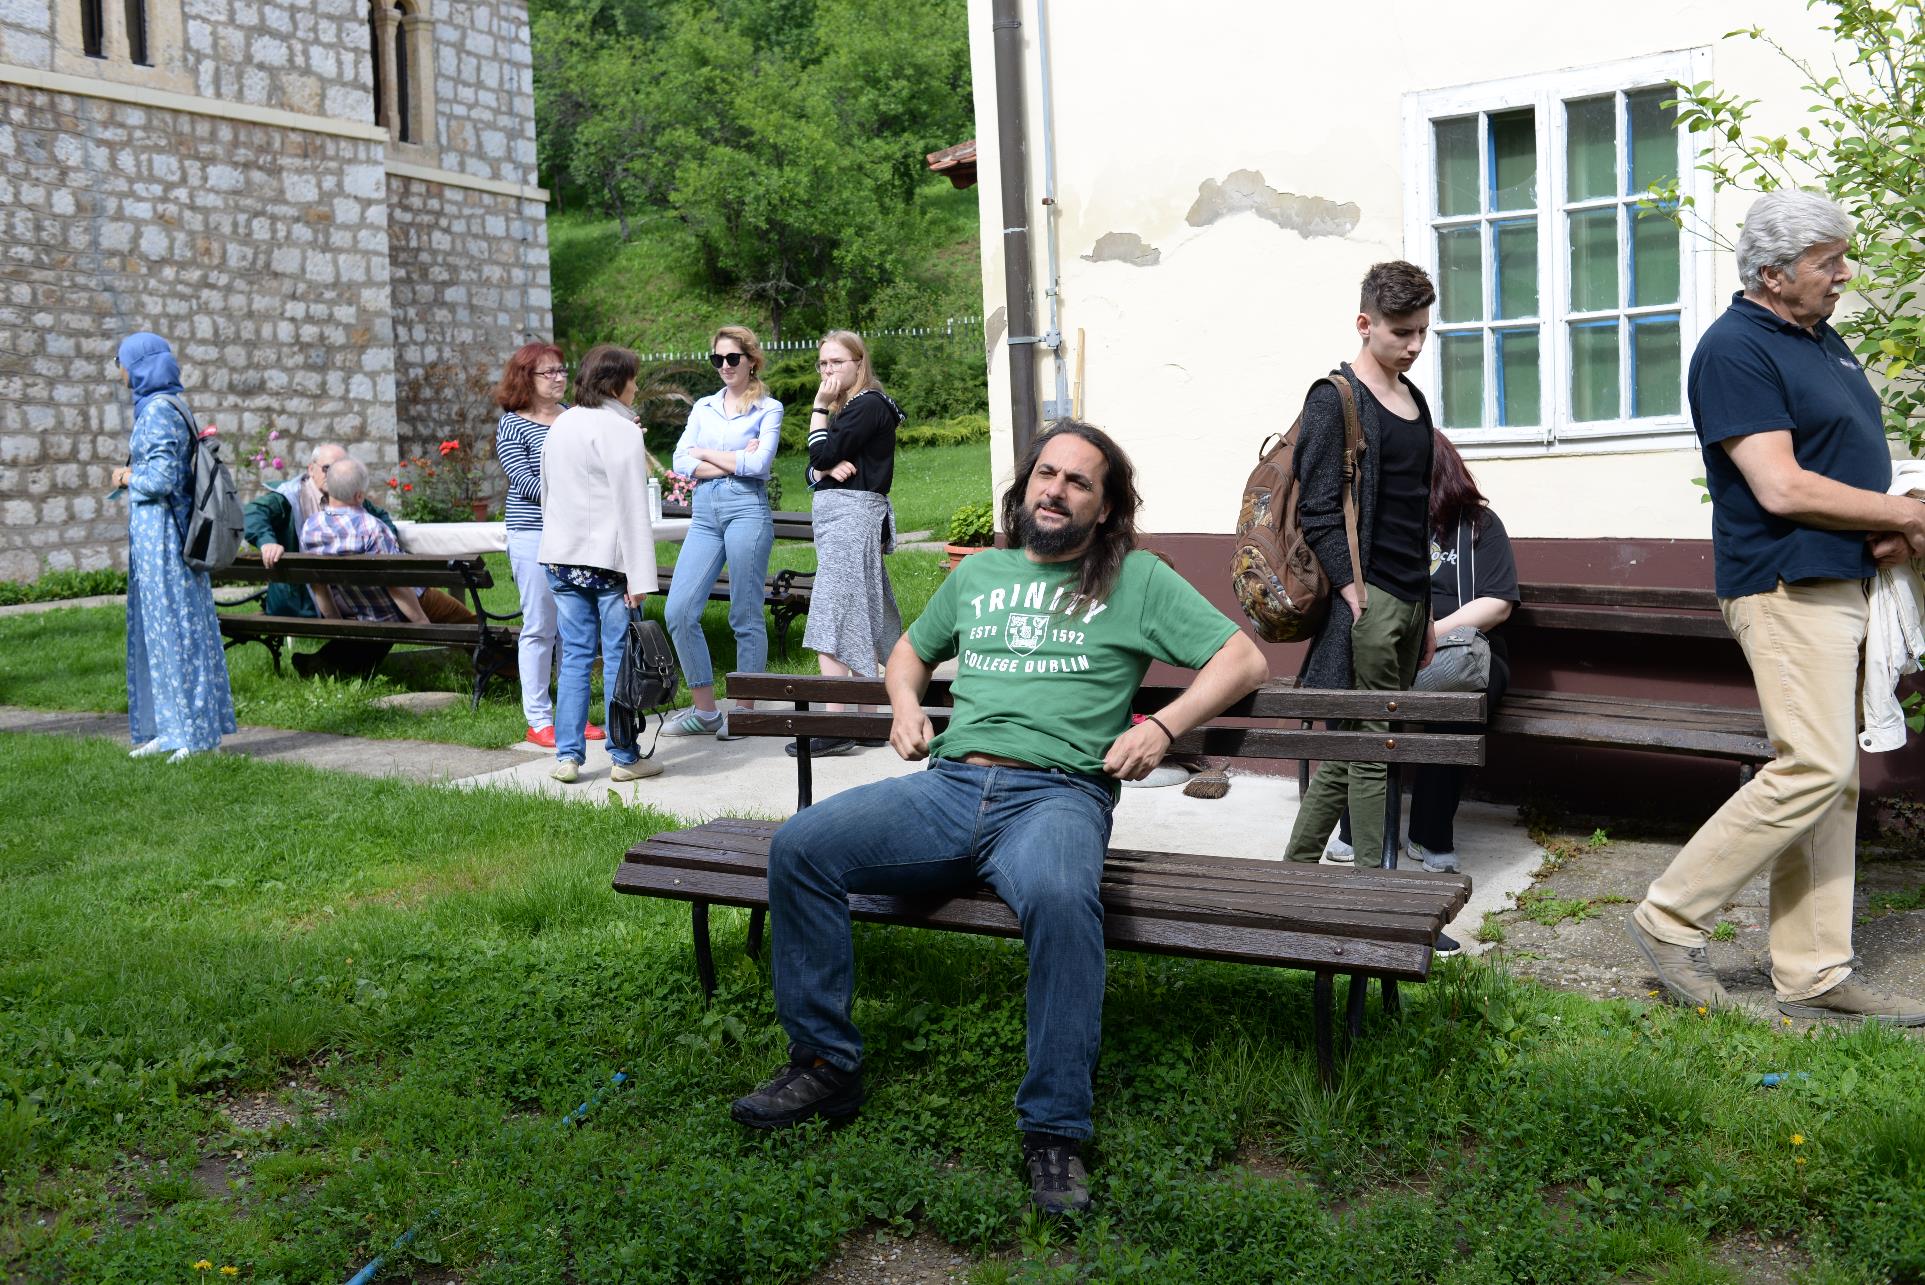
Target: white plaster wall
{"x":1192,"y":361}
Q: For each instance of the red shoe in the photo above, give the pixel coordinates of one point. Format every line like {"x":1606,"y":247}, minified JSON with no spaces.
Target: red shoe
{"x":542,"y":736}
{"x":595,"y":733}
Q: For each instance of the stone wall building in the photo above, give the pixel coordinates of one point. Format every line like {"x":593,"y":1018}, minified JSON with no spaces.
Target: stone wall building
{"x":327,"y":206}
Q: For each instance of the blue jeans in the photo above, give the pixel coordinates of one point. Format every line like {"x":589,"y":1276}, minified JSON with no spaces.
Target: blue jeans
{"x":537,"y":647}
{"x":1037,"y":838}
{"x":586,"y":619}
{"x":731,"y":523}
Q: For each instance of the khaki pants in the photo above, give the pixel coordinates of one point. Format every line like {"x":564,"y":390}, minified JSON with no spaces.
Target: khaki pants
{"x":1799,"y":814}
{"x":445,"y":609}
{"x":1386,"y":642}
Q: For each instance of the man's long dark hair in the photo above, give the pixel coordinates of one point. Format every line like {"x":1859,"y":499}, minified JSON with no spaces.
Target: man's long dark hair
{"x":1115,"y":535}
{"x":1453,"y":491}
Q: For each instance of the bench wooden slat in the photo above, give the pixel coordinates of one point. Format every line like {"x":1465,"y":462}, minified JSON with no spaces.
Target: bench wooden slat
{"x":1633,"y":596}
{"x":1619,"y":621}
{"x":1614,"y":708}
{"x":1739,"y":735}
{"x":985,"y":914}
{"x":400,"y":631}
{"x":374,"y":569}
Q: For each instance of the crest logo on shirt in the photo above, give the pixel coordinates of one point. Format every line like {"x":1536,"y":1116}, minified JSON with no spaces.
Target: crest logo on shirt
{"x":1025,"y":631}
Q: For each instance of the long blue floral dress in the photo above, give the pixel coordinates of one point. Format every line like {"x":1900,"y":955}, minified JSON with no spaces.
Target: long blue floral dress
{"x":176,"y":671}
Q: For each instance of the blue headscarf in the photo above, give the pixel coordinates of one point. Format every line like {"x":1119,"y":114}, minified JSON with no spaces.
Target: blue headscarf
{"x":151,"y":362}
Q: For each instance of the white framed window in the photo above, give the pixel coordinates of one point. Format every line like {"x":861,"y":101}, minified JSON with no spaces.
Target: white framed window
{"x":1565,"y":313}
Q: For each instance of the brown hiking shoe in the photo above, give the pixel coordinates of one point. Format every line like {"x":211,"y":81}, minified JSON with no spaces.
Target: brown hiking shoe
{"x":1853,"y":1001}
{"x":1684,"y":971}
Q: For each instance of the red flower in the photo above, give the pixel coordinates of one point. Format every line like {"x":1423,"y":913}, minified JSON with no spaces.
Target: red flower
{"x":450,"y":446}
{"x":407,"y":486}
{"x":394,"y":481}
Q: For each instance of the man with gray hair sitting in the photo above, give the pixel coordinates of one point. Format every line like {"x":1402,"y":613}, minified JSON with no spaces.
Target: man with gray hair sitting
{"x":344,"y":526}
{"x":1798,"y":469}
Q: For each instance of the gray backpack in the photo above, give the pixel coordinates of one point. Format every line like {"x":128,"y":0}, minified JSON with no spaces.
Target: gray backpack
{"x":212,"y":535}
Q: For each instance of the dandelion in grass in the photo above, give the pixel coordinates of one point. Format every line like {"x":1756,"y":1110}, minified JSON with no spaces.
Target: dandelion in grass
{"x":1702,"y":1010}
{"x":230,"y":1271}
{"x":1797,"y":1139}
{"x":204,"y":1265}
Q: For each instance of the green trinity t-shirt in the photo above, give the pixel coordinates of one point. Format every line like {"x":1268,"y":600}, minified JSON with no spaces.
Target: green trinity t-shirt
{"x":1046,"y":675}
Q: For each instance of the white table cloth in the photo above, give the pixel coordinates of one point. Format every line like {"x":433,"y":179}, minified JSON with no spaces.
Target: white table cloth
{"x":462,"y":539}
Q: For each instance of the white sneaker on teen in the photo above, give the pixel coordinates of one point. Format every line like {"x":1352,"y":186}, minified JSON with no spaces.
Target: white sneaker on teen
{"x":1339,"y":852}
{"x":1435,"y":862}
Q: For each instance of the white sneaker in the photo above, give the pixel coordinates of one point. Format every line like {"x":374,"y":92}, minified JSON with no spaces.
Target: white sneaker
{"x":693,"y":722}
{"x":180,"y":756}
{"x":148,"y":750}
{"x":1443,"y":863}
{"x":1339,"y":852}
{"x":567,"y":771}
{"x":639,"y":770}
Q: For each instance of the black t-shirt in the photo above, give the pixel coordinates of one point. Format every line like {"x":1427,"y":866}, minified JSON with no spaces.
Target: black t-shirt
{"x":1478,"y":565}
{"x":1400,"y":546}
{"x":864,"y":433}
{"x":1754,"y":372}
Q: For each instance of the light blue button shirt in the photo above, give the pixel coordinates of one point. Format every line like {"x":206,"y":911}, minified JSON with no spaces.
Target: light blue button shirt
{"x":711,"y":426}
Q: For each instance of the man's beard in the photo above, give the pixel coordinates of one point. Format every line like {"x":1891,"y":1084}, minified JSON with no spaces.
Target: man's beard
{"x":1051,"y":541}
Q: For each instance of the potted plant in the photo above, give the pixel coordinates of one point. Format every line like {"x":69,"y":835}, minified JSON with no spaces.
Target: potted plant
{"x":972,"y":528}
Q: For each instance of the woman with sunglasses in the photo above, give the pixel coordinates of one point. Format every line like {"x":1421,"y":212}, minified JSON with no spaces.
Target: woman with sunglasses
{"x":530,"y":397}
{"x":728,"y":447}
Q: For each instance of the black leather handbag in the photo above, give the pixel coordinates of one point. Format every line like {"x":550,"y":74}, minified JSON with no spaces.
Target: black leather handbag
{"x":646,"y":681}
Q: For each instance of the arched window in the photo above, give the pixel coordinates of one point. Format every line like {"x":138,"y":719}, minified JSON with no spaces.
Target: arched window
{"x":93,"y":28}
{"x":374,"y":47}
{"x":137,"y":32}
{"x":403,"y":114}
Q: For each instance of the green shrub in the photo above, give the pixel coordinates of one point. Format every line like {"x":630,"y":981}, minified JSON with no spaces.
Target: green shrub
{"x":973,"y":524}
{"x":57,"y":586}
{"x":948,"y":432}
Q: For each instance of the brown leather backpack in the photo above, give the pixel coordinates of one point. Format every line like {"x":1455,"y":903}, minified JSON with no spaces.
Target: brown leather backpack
{"x":1275,"y":572}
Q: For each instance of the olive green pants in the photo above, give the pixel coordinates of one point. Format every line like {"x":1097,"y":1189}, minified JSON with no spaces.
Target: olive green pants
{"x":1386,"y":642}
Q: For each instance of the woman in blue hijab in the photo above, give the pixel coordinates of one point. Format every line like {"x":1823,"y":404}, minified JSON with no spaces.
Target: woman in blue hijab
{"x":177,"y":698}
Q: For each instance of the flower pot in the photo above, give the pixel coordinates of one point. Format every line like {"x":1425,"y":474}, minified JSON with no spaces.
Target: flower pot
{"x":480,"y":508}
{"x":957,"y":552}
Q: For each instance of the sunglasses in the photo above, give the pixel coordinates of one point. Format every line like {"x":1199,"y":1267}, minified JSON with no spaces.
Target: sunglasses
{"x":733,"y":359}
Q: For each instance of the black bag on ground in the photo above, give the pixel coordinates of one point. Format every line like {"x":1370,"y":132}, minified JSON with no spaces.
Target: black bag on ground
{"x":646,"y":681}
{"x":215,"y":525}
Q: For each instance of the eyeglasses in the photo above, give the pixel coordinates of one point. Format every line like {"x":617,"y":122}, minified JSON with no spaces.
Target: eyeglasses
{"x":733,"y":359}
{"x":828,"y":364}
{"x":554,"y":372}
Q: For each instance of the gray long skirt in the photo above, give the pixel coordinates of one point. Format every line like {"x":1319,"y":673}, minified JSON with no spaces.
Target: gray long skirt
{"x":852,"y":609}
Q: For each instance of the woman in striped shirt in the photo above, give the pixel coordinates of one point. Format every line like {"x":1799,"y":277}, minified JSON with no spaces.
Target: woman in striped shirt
{"x":530,"y":397}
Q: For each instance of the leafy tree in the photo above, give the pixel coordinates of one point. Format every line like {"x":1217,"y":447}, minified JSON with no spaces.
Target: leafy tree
{"x":1863,"y":147}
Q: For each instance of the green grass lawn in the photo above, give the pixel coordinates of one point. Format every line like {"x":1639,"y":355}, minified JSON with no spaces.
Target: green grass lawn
{"x":423,"y":982}
{"x":75,"y":658}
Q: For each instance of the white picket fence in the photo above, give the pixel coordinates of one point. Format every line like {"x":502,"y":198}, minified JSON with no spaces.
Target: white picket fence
{"x":953,"y":328}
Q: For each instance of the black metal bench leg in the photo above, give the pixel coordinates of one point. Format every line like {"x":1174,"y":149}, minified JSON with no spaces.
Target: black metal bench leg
{"x":1745,"y":772}
{"x":1322,"y":1014}
{"x":274,"y":646}
{"x":756,"y":916}
{"x":1393,"y":814}
{"x":704,"y":960}
{"x":1354,"y":1009}
{"x":1393,"y":1002}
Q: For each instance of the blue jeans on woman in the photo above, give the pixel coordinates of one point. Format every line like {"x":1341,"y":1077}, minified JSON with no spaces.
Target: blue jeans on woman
{"x":1037,"y":838}
{"x":586,"y":619}
{"x":730,"y":523}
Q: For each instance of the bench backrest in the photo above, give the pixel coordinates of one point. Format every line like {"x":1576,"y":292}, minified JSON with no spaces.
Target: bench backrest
{"x":1621,"y":609}
{"x":379,"y":569}
{"x":789,"y":524}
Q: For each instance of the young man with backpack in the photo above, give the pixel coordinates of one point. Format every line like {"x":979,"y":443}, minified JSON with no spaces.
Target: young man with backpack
{"x":1377,"y":634}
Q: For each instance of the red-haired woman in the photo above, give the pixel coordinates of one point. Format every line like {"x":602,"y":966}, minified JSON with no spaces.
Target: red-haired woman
{"x":530,"y":397}
{"x":1473,"y":584}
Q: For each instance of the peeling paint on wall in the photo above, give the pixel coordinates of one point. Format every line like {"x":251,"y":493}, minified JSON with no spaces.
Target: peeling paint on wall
{"x":993,"y":329}
{"x":1242,"y":190}
{"x":1123,"y":247}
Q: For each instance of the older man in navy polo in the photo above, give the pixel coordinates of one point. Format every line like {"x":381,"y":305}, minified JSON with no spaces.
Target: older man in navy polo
{"x":1796,"y":460}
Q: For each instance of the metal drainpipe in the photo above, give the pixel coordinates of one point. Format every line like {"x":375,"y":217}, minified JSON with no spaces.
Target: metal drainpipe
{"x":1012,"y":150}
{"x":1053,"y":340}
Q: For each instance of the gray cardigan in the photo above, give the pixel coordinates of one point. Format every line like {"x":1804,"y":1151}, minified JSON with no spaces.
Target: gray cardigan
{"x":1320,"y":509}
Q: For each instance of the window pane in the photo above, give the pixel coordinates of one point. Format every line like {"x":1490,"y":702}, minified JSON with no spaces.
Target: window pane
{"x":1591,"y":148}
{"x":1515,"y":243}
{"x":1594,"y":370}
{"x":1460,"y":269}
{"x":1594,"y":260}
{"x":1654,"y":258}
{"x":1457,"y":166}
{"x":1654,"y":138}
{"x":1463,"y":362}
{"x":1654,"y":366}
{"x":1519,"y":400}
{"x":1514,"y":160}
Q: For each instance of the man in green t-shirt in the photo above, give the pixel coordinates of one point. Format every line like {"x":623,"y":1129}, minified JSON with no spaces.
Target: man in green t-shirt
{"x":1052,"y":637}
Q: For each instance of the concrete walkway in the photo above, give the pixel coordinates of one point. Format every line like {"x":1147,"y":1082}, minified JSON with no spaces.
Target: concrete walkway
{"x":706,"y":778}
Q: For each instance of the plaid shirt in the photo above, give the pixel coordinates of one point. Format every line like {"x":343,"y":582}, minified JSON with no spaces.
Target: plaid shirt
{"x":335,"y":530}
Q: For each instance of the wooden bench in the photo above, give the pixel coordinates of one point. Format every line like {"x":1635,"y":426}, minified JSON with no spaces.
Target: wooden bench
{"x":789,"y":525}
{"x":1630,"y":722}
{"x":1326,"y":919}
{"x":491,"y":646}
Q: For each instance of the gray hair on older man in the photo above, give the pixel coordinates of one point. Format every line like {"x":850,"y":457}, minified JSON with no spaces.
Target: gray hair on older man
{"x":347,"y":480}
{"x":1780,"y":226}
